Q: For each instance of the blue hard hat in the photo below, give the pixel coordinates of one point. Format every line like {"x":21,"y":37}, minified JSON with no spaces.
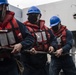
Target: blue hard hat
{"x":54,"y":21}
{"x":33,"y":9}
{"x":4,"y":2}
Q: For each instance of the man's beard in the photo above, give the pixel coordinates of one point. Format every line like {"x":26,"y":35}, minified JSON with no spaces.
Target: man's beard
{"x":55,"y":28}
{"x":32,"y":19}
{"x":0,"y":14}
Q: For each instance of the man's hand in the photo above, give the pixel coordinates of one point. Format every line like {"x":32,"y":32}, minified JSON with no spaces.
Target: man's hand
{"x":51,"y":49}
{"x":33,"y":51}
{"x":58,"y":53}
{"x":16,"y":48}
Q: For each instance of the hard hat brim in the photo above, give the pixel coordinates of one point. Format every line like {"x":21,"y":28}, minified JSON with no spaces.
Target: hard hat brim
{"x":4,"y":3}
{"x":54,"y":24}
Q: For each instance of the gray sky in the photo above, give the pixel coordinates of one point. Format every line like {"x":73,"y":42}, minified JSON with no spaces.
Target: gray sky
{"x":27,"y":3}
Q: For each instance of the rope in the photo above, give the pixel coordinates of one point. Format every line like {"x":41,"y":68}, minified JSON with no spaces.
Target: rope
{"x":41,"y":52}
{"x":20,"y":67}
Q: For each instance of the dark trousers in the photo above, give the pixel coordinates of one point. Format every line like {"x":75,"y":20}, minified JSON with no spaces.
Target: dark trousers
{"x":65,"y":63}
{"x":31,"y":70}
{"x":8,"y":67}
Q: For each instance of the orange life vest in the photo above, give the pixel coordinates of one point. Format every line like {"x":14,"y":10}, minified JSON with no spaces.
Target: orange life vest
{"x":61,"y":36}
{"x":15,"y":28}
{"x":41,"y":35}
{"x":12,"y":26}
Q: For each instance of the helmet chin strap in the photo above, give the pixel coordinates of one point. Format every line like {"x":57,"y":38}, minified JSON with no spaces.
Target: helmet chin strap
{"x":3,"y":12}
{"x":38,"y":18}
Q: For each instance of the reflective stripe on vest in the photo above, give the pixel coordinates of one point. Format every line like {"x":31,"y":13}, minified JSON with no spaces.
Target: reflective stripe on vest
{"x":41,"y":38}
{"x":61,"y":39}
{"x":13,"y":34}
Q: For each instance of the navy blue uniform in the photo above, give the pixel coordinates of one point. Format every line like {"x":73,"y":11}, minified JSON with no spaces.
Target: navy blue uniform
{"x":8,"y":66}
{"x":36,"y":64}
{"x":64,"y":62}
